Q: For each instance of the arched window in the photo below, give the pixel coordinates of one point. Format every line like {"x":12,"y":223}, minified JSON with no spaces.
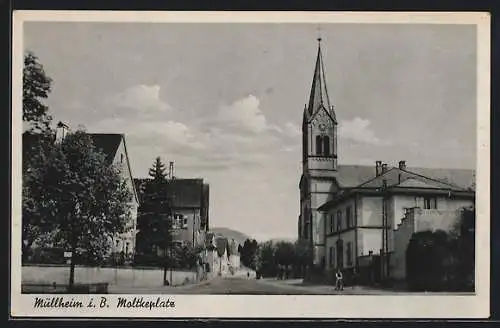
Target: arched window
{"x":319,"y":145}
{"x":326,"y":146}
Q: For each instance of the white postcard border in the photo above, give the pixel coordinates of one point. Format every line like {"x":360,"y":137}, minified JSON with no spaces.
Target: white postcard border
{"x":272,"y":306}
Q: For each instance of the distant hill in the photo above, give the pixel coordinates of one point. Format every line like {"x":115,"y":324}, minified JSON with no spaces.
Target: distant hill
{"x":231,"y":234}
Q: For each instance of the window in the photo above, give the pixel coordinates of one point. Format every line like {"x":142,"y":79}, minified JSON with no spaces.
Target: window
{"x":332,"y":223}
{"x":126,"y":247}
{"x":322,"y":146}
{"x":121,"y":158}
{"x":326,"y":146}
{"x":349,"y":253}
{"x":306,"y":230}
{"x":319,"y":145}
{"x":331,"y":257}
{"x":339,"y":220}
{"x":430,"y":203}
{"x":185,"y":223}
{"x":348,"y":216}
{"x":340,"y":254}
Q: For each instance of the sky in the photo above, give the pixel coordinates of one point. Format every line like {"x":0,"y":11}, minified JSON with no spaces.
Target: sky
{"x":225,"y":101}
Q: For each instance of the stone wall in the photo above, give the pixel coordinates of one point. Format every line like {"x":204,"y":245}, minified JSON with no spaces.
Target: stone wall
{"x":136,"y":277}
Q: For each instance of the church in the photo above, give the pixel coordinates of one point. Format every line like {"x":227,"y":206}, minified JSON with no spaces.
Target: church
{"x":352,"y":213}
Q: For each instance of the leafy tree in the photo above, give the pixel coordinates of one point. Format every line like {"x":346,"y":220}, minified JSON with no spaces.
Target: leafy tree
{"x":71,"y":191}
{"x":303,"y":255}
{"x":157,"y":172}
{"x":285,"y":253}
{"x":248,"y":253}
{"x":36,"y":87}
{"x":438,"y":260}
{"x":265,"y":262}
{"x":186,"y":256}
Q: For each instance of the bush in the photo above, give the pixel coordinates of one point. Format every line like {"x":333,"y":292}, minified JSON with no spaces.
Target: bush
{"x":437,"y":261}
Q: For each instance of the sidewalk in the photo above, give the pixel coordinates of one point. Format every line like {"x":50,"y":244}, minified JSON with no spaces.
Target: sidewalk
{"x":299,"y":284}
{"x":115,"y":289}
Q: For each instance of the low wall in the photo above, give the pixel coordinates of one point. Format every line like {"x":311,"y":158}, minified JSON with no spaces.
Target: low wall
{"x":136,"y":277}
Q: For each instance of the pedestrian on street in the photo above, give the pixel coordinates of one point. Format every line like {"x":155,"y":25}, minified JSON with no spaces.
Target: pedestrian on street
{"x":339,"y":281}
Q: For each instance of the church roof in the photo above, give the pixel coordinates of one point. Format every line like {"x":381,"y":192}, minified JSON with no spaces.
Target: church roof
{"x":319,"y":93}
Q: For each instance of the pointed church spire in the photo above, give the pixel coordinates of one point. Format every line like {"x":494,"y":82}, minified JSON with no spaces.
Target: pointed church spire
{"x":319,"y":93}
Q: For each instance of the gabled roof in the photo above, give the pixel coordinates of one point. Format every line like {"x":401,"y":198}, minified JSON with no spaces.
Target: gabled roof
{"x":395,"y":176}
{"x":350,"y":176}
{"x":191,"y":193}
{"x":108,"y":143}
{"x":221,"y":244}
{"x":456,"y":180}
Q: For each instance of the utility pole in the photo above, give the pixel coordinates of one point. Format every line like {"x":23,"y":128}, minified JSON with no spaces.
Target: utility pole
{"x":384,"y":263}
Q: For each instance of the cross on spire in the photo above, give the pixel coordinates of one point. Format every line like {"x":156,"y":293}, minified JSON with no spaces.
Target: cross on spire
{"x":319,"y":34}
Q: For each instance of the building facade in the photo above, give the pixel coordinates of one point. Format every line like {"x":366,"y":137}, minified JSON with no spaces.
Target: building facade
{"x":372,"y":218}
{"x":115,"y":149}
{"x":221,"y":255}
{"x":186,"y":201}
{"x":351,"y":212}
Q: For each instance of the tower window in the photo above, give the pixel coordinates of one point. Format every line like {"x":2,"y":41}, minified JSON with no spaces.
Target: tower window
{"x":326,"y":146}
{"x":322,"y":146}
{"x":319,"y":145}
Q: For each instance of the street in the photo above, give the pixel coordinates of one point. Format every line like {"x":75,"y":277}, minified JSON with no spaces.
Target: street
{"x":243,"y":286}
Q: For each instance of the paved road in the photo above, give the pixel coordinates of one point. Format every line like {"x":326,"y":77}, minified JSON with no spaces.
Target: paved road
{"x":244,"y":286}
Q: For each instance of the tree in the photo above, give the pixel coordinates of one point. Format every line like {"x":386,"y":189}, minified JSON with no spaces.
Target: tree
{"x":265,"y":262}
{"x":155,"y":222}
{"x":36,"y":86}
{"x":248,"y":253}
{"x":72,"y":191}
{"x":157,"y":172}
{"x":285,"y":253}
{"x":303,"y":256}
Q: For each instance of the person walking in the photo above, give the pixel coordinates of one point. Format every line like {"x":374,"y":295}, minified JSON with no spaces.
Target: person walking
{"x":339,"y":281}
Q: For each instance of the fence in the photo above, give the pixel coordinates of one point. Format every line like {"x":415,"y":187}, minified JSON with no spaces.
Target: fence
{"x":134,"y":277}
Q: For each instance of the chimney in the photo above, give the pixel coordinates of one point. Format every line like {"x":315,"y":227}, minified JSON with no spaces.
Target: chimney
{"x":61,"y":131}
{"x":171,"y":170}
{"x":384,"y":168}
{"x":402,"y":165}
{"x":378,"y":168}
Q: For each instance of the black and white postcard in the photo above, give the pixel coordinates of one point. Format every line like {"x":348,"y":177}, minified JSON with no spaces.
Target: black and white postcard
{"x":256,"y":165}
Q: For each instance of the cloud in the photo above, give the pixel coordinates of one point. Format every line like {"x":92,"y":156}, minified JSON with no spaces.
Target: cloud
{"x":243,"y":114}
{"x":142,"y":98}
{"x":359,"y":130}
{"x":239,"y":135}
{"x":171,"y":135}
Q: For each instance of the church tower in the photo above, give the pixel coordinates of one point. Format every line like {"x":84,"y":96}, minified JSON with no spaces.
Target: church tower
{"x":319,"y":161}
